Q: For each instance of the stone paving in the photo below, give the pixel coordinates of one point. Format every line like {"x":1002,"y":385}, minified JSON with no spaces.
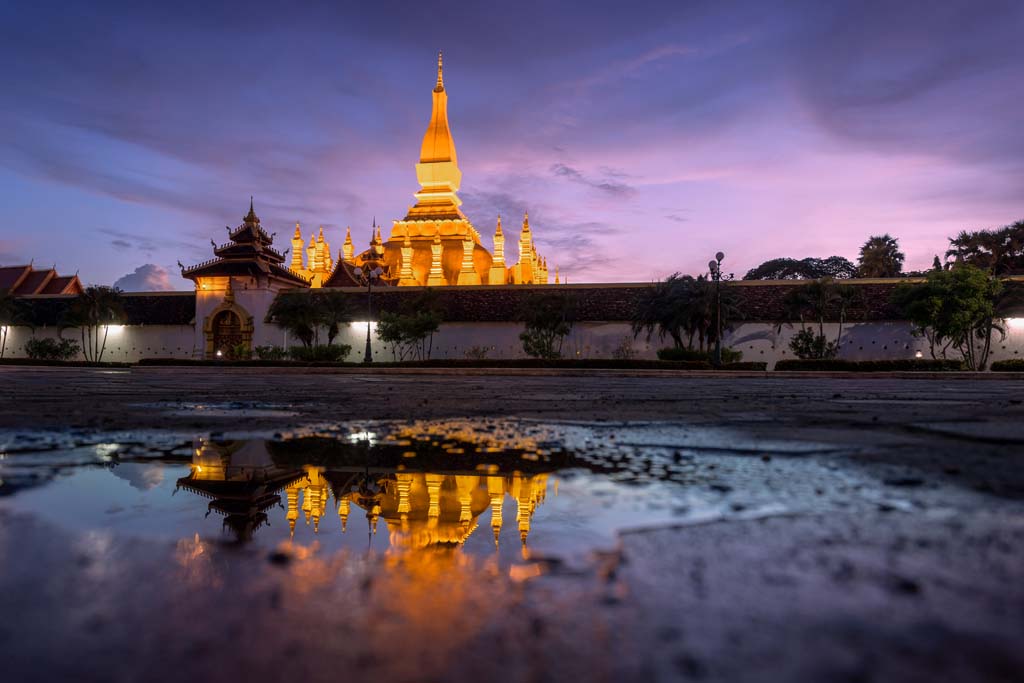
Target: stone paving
{"x":898,"y":555}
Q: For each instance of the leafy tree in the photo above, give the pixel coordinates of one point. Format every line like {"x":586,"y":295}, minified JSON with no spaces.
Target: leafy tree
{"x":835,"y":267}
{"x":814,"y":303}
{"x":93,"y":312}
{"x":549,"y":319}
{"x":299,"y":314}
{"x":684,"y":308}
{"x":955,"y":309}
{"x":1000,"y":251}
{"x":335,"y":309}
{"x":410,"y":331}
{"x":881,"y":257}
{"x":12,"y":312}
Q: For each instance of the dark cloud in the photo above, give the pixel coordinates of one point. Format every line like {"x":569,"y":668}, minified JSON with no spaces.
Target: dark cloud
{"x":610,"y":186}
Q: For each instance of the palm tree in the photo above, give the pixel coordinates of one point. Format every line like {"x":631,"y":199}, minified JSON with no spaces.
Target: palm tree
{"x":1001,"y":252}
{"x":93,"y":312}
{"x":881,"y":257}
{"x":683,"y":308}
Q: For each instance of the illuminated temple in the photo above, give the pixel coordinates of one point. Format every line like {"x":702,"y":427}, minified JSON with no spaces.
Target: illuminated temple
{"x":435,"y":244}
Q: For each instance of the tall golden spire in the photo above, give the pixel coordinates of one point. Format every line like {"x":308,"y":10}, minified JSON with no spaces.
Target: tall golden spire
{"x":438,"y":147}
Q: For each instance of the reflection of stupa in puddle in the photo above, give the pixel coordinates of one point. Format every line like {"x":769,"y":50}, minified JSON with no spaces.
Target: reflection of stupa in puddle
{"x":240,"y":479}
{"x":424,"y":510}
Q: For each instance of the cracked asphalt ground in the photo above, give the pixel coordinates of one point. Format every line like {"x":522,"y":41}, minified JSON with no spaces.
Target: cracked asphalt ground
{"x":887,"y":544}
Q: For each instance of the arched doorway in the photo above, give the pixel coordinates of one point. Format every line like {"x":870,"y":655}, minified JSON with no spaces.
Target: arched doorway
{"x":228,"y":330}
{"x":227,"y":334}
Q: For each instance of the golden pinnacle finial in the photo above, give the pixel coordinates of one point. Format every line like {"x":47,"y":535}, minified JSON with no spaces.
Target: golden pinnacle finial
{"x":440,"y":69}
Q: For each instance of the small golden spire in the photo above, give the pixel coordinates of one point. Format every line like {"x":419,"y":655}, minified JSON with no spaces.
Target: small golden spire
{"x":498,"y":231}
{"x":298,"y":233}
{"x":440,"y":68}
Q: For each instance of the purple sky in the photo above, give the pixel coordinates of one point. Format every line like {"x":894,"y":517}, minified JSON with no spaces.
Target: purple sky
{"x":641,"y":137}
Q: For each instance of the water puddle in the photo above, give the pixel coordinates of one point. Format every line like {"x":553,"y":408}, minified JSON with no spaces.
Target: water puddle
{"x":513,"y":489}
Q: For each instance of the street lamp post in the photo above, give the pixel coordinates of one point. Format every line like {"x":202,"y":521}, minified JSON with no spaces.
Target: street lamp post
{"x":716,"y":274}
{"x":369,"y":274}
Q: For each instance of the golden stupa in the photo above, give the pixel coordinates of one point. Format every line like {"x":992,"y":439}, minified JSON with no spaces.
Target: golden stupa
{"x":436,"y":244}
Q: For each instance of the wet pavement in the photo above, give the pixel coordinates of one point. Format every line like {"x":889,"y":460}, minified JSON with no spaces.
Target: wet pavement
{"x":198,"y":524}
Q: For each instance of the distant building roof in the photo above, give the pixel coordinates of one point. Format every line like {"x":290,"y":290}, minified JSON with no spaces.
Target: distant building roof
{"x":25,"y":280}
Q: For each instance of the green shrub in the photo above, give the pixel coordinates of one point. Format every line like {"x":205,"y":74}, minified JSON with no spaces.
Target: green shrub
{"x":319,"y":353}
{"x":1011,"y":365}
{"x":808,"y":345}
{"x":324,"y":353}
{"x":625,"y":350}
{"x":51,"y":349}
{"x":240,"y":351}
{"x":271,"y":352}
{"x":677,"y":354}
{"x":477,"y":352}
{"x":900,"y":365}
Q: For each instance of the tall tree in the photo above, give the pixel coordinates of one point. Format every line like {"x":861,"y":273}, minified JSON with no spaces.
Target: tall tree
{"x":686,"y":309}
{"x":335,"y":309}
{"x":12,"y":312}
{"x":298,"y":313}
{"x":93,"y":312}
{"x":958,"y":308}
{"x":835,"y":267}
{"x":1000,"y":251}
{"x":548,"y":319}
{"x":881,"y":257}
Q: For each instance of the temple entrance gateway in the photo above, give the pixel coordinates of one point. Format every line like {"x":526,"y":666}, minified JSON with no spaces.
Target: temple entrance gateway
{"x":227,"y":333}
{"x":228,"y":330}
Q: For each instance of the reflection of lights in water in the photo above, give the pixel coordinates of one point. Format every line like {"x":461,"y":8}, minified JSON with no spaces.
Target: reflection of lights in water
{"x":369,"y":437}
{"x":105,"y":450}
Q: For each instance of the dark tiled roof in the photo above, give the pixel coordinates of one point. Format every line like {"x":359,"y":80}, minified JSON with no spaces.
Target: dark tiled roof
{"x":25,"y":280}
{"x":12,"y":275}
{"x":34,"y":283}
{"x":344,"y":276}
{"x":63,"y":284}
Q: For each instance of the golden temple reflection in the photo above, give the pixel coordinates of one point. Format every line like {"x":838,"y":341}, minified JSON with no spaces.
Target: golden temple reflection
{"x":421,"y":508}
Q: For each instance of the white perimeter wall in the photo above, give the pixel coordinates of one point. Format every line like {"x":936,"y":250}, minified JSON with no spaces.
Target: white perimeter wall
{"x":757,"y":341}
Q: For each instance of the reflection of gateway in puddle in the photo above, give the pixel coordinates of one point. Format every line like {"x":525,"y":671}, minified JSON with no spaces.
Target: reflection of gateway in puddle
{"x":422,"y":509}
